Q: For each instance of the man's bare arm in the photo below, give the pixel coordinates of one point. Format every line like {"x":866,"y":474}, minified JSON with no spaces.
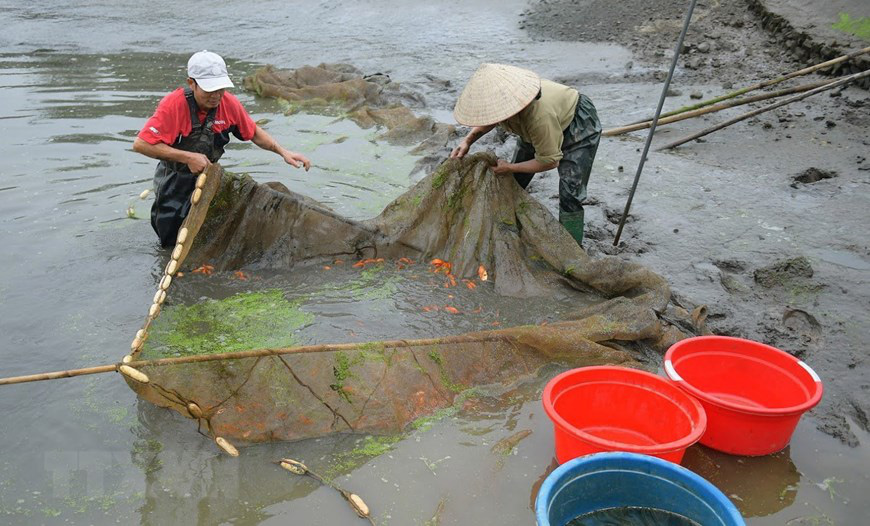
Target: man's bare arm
{"x":265,"y":141}
{"x":196,"y":162}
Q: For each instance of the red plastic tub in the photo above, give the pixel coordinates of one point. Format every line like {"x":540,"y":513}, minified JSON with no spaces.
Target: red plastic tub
{"x":596,"y":409}
{"x":753,"y":394}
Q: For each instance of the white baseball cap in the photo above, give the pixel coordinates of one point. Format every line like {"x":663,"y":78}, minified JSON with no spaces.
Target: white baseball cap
{"x":209,"y":71}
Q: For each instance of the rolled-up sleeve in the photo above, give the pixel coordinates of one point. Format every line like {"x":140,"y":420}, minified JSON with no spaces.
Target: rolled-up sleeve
{"x":546,"y":137}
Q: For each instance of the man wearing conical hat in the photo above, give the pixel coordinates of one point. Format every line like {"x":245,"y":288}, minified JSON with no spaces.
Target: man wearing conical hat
{"x":557,"y":126}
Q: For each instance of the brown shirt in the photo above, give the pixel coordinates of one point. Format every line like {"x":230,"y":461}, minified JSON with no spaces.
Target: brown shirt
{"x":541,"y":123}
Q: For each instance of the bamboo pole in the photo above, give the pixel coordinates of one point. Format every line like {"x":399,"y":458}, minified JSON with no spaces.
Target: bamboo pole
{"x":655,"y":121}
{"x":58,"y":374}
{"x":764,"y":84}
{"x":256,"y":353}
{"x":729,"y":122}
{"x":718,"y":107}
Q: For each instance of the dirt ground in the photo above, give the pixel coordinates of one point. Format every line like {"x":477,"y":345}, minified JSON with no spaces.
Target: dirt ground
{"x":765,"y":222}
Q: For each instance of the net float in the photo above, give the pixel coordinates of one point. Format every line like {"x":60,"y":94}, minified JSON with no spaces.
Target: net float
{"x":358,"y":505}
{"x":194,"y":410}
{"x":129,"y":372}
{"x":226,"y":446}
{"x":294,"y":466}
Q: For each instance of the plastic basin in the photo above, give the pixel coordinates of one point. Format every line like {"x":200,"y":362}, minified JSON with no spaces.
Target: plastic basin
{"x":614,"y":480}
{"x":753,"y":394}
{"x":605,"y":408}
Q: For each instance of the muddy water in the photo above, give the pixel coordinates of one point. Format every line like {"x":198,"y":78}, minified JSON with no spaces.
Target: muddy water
{"x":339,"y":303}
{"x":76,"y":83}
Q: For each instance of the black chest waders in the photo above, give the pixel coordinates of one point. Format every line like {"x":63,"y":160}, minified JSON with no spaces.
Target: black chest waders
{"x":173,"y":182}
{"x":579,"y":145}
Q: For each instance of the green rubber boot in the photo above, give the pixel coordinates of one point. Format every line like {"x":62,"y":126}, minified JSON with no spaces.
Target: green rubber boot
{"x":573,"y":223}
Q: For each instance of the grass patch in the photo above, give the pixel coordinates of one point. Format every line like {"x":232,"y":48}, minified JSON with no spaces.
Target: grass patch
{"x":860,"y":27}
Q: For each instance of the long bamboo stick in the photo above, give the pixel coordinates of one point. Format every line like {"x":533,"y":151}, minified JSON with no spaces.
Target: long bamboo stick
{"x":729,"y":122}
{"x":718,"y":107}
{"x":256,"y":353}
{"x":764,"y":84}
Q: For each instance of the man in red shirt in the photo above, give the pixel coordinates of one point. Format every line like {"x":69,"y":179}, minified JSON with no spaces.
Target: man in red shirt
{"x":188,"y":131}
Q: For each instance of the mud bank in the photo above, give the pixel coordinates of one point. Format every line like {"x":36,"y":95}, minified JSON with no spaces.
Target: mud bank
{"x":814,"y":40}
{"x":740,"y":221}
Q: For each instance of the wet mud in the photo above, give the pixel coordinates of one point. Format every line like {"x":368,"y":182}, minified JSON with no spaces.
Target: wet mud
{"x":797,"y":279}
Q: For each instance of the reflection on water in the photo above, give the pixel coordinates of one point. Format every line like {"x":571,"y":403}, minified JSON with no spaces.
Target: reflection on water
{"x":759,"y":486}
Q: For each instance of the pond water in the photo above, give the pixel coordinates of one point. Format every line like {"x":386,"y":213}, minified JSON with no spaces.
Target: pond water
{"x":337,"y":303}
{"x":76,"y":84}
{"x":631,"y":517}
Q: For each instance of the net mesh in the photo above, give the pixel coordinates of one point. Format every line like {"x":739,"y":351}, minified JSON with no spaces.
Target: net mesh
{"x":478,"y":224}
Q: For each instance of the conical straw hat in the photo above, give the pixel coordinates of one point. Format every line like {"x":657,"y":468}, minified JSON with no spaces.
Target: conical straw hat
{"x":494,"y":93}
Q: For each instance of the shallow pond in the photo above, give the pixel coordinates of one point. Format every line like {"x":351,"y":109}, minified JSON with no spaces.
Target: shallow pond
{"x":76,"y":84}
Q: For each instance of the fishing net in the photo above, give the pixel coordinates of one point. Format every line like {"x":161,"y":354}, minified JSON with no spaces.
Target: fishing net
{"x":368,"y":100}
{"x":469,"y":227}
{"x":462,"y":216}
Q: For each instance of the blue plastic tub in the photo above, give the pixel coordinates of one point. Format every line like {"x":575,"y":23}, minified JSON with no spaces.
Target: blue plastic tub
{"x":617,"y":480}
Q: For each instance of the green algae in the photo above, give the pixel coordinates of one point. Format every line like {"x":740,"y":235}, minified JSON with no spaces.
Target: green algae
{"x":456,"y":197}
{"x":439,"y":178}
{"x":225,"y":197}
{"x":445,"y":378}
{"x":341,"y":372}
{"x":371,"y":447}
{"x":860,"y":27}
{"x":374,"y":446}
{"x":522,"y":208}
{"x":369,"y":285}
{"x":145,"y":455}
{"x":424,"y":423}
{"x":376,"y":351}
{"x":251,"y":320}
{"x":93,"y":403}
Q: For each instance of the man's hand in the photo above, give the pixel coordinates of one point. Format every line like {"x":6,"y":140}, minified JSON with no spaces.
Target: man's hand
{"x":460,"y":151}
{"x":296,"y":159}
{"x":476,"y":133}
{"x":197,"y":163}
{"x":502,"y":167}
